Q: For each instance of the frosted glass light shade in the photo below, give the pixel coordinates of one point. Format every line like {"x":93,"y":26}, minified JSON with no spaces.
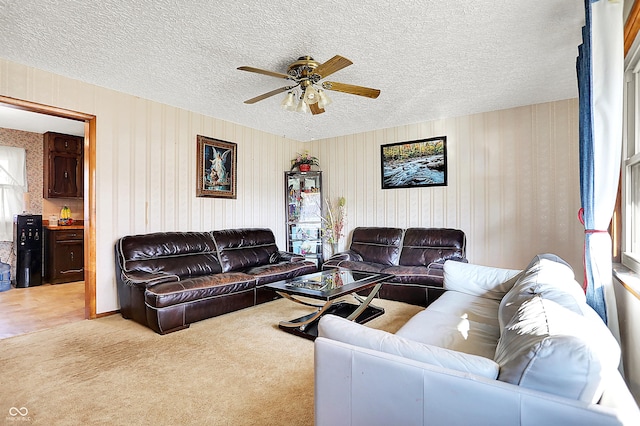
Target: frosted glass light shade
{"x":288,"y":103}
{"x":323,"y":99}
{"x":311,"y":95}
{"x":302,"y":107}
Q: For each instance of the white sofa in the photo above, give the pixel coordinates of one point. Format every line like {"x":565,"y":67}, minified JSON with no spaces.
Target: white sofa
{"x":499,"y":347}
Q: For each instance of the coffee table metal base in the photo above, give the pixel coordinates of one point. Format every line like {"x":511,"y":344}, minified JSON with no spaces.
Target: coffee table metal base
{"x":307,"y":326}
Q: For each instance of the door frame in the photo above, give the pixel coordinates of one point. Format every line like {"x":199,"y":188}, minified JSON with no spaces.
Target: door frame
{"x":89,"y":180}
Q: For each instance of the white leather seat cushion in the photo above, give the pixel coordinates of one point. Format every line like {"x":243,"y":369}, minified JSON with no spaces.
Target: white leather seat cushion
{"x":342,"y":330}
{"x":457,"y":321}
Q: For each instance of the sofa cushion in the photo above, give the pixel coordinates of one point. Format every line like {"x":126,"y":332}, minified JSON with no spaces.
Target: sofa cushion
{"x":182,"y":254}
{"x":362,"y":266}
{"x":415,"y":275}
{"x":478,"y":280}
{"x":377,"y":245}
{"x":546,"y":275}
{"x":342,"y":330}
{"x":551,"y":340}
{"x":551,"y":348}
{"x":459,"y":322}
{"x":199,"y":288}
{"x":244,"y":248}
{"x":423,"y":246}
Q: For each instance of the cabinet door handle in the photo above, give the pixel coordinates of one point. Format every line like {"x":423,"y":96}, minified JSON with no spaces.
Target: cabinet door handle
{"x":66,"y":174}
{"x":71,"y":253}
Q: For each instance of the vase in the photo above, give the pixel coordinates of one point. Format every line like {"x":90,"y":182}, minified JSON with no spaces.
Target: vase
{"x":304,"y":167}
{"x":334,"y":248}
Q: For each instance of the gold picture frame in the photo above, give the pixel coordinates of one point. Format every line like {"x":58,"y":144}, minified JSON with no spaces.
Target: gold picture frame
{"x":216,"y":168}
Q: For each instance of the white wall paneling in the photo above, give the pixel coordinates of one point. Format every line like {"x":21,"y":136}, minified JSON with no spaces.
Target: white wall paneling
{"x":512,"y":184}
{"x":145,"y":171}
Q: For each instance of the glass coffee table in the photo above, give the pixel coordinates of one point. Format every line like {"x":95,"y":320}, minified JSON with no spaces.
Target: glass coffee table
{"x":332,"y":286}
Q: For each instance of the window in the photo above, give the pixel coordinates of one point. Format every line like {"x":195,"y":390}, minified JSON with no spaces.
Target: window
{"x":13,"y":185}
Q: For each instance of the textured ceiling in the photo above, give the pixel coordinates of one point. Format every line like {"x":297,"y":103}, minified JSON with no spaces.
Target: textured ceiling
{"x":430,"y":59}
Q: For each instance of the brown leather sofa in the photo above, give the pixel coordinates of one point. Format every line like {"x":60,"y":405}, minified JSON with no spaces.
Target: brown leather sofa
{"x":168,"y":280}
{"x":414,"y":256}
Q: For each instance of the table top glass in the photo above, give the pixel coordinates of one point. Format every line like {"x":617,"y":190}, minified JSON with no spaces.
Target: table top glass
{"x":330,"y":283}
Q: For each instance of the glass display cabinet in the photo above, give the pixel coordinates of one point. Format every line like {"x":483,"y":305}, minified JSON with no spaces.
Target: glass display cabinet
{"x":303,"y":195}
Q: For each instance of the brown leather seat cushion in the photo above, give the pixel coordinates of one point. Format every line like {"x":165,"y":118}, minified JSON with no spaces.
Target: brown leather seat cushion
{"x":423,"y":246}
{"x":198,"y":288}
{"x":184,"y":254}
{"x":244,"y":248}
{"x":377,"y":245}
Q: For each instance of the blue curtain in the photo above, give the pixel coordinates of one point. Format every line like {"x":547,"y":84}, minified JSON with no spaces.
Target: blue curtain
{"x":594,"y":290}
{"x":600,"y":71}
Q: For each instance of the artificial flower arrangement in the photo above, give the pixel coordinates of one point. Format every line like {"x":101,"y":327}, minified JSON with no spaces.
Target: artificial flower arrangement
{"x":334,"y":221}
{"x":304,"y":159}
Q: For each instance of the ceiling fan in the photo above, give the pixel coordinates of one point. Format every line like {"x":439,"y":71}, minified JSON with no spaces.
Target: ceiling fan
{"x":305,"y":74}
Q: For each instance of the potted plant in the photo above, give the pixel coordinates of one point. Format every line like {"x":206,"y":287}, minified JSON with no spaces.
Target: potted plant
{"x":304,"y":162}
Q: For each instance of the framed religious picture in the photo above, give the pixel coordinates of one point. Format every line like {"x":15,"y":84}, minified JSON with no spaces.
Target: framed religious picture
{"x":414,"y":164}
{"x":216,"y":168}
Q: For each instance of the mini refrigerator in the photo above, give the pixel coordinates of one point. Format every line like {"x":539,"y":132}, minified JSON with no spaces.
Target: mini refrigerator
{"x":27,"y":235}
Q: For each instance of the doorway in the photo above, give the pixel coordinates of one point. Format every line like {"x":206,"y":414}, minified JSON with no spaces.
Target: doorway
{"x":89,"y":189}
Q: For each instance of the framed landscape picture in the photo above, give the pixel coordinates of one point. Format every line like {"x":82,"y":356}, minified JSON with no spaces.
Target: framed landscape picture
{"x":414,"y":164}
{"x":216,"y":168}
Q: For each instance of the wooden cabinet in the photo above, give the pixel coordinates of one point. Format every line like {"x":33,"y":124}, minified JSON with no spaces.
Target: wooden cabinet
{"x":64,"y":255}
{"x":63,"y":166}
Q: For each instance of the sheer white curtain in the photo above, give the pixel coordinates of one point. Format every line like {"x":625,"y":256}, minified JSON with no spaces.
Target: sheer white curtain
{"x":13,"y":185}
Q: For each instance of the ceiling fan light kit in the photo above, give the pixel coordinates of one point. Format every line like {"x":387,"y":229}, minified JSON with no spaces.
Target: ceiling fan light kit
{"x":289,"y":102}
{"x":308,"y":93}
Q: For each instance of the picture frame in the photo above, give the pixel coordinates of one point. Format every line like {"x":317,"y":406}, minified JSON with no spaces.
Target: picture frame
{"x":414,"y":164}
{"x":216,"y":173}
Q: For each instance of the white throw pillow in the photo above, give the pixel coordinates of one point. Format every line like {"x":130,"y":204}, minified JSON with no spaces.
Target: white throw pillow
{"x":343,"y":330}
{"x":478,"y":280}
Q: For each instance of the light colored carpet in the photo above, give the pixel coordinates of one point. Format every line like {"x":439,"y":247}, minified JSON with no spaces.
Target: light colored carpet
{"x":235,"y":369}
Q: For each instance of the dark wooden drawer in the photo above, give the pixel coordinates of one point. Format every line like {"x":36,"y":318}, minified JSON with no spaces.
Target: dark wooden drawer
{"x":64,"y":255}
{"x":67,"y":235}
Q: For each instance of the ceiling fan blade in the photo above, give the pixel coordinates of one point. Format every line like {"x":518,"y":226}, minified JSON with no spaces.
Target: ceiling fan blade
{"x":332,"y":65}
{"x":268,"y":94}
{"x":315,"y":109}
{"x":265,"y":72}
{"x":350,"y":88}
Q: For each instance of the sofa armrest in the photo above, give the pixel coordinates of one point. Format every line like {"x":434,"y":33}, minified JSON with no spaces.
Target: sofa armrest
{"x":439,"y":264}
{"x":335,"y":260}
{"x":146,"y":279}
{"x":379,"y":388}
{"x":285,"y":256}
{"x":479,"y":280}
